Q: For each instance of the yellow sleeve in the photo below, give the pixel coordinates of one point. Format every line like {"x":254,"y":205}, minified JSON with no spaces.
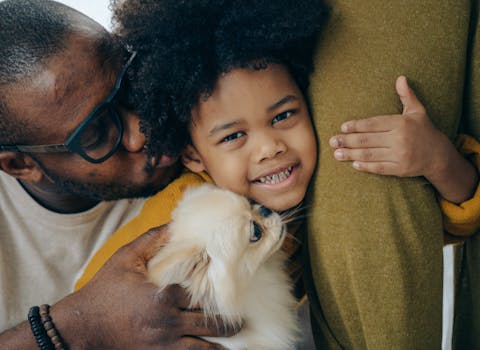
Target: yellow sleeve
{"x":156,"y":212}
{"x":464,"y":219}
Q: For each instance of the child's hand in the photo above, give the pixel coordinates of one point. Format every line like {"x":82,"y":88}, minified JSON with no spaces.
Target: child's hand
{"x":406,"y":144}
{"x":400,"y":144}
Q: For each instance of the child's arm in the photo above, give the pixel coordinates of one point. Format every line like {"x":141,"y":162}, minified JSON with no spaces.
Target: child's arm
{"x":407,"y":145}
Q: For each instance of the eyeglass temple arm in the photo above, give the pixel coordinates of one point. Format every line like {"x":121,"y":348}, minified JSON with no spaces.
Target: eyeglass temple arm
{"x":35,"y":149}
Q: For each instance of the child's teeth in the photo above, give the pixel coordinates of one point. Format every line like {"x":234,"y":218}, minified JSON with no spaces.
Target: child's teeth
{"x":276,"y":178}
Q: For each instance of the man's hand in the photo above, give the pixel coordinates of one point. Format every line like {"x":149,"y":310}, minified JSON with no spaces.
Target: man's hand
{"x":120,"y":309}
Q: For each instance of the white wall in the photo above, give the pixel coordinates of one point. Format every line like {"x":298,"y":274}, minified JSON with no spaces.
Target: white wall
{"x":96,"y":9}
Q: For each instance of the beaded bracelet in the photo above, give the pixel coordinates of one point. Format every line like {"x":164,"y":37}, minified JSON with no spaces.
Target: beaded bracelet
{"x":49,"y":327}
{"x":41,"y":336}
{"x":43,"y":329}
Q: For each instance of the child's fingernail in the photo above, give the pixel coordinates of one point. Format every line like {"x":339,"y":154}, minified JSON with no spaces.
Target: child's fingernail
{"x":356,"y":165}
{"x":334,"y":142}
{"x":338,"y":154}
{"x":345,"y":127}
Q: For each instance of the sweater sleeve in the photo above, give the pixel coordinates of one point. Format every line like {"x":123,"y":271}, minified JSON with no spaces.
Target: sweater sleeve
{"x":464,"y":219}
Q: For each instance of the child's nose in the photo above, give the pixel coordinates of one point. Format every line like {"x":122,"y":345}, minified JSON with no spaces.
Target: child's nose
{"x":133,"y":139}
{"x":270,"y":147}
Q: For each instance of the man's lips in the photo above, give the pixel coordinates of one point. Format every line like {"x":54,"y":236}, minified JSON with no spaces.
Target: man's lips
{"x":162,"y":161}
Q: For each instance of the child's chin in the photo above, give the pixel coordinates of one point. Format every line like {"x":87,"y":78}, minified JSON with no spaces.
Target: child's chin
{"x":283,"y":207}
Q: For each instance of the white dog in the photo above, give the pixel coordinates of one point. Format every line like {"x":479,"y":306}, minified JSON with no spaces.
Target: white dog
{"x":226,"y":253}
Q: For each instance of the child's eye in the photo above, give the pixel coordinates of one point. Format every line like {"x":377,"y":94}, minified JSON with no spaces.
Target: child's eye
{"x":282,"y":116}
{"x":233,"y":137}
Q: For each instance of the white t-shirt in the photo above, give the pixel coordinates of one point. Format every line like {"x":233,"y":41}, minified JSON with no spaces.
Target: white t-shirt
{"x":42,"y":252}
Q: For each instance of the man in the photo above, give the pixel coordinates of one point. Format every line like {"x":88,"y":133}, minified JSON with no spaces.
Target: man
{"x":67,"y":146}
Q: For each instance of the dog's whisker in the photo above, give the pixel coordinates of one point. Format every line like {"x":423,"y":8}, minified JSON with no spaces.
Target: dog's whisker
{"x":294,"y":238}
{"x":293,"y":212}
{"x":295,"y":218}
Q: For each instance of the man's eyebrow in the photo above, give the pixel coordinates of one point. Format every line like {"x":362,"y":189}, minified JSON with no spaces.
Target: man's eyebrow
{"x":279,"y":103}
{"x":222,"y":127}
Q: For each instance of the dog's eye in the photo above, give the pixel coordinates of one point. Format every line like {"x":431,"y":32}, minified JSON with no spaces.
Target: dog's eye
{"x":256,"y":232}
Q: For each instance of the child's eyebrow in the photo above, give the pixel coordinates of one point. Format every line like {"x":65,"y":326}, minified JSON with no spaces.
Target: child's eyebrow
{"x":221,"y":127}
{"x":271,"y":108}
{"x":279,"y":103}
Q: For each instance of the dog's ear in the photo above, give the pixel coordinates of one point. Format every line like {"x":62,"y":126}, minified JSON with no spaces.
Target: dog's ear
{"x":210,"y":283}
{"x":184,"y":264}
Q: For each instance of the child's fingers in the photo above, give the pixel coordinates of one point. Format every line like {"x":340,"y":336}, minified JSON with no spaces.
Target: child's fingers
{"x":381,"y":168}
{"x":374,"y":124}
{"x":363,"y":154}
{"x":410,"y":102}
{"x":361,"y":140}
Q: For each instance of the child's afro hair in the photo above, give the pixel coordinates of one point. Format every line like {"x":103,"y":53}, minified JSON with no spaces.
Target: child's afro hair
{"x":184,"y":45}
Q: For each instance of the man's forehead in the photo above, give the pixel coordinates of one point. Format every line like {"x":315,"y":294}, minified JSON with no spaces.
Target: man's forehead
{"x":66,"y":87}
{"x":81,"y":71}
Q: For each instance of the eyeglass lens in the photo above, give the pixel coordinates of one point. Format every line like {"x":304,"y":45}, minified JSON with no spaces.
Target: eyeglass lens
{"x":102,"y":133}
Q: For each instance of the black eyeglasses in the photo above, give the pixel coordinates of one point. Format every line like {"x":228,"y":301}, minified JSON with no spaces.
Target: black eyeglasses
{"x":98,"y":135}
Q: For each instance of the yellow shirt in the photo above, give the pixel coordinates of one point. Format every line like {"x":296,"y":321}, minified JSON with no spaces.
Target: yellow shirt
{"x":464,"y":219}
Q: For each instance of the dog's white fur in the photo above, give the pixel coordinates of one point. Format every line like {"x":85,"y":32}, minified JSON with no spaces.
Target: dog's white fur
{"x":211,"y":255}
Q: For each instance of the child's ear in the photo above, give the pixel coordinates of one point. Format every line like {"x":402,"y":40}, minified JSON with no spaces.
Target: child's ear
{"x":20,"y":166}
{"x":192,"y":160}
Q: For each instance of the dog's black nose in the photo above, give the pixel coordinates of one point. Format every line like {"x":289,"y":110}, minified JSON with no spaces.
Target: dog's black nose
{"x":265,"y":212}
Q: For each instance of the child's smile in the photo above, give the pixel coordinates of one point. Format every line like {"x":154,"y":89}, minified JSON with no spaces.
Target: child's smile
{"x":275,"y":177}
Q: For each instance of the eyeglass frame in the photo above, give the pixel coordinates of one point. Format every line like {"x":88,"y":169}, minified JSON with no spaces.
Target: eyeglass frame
{"x":72,"y":144}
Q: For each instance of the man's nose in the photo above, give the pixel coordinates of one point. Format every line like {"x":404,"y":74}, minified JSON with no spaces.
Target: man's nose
{"x":133,"y":139}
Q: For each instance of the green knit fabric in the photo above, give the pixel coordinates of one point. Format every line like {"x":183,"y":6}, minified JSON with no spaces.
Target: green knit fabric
{"x":376,"y":242}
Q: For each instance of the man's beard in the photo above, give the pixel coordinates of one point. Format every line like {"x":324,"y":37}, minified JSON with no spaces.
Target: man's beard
{"x":105,"y":192}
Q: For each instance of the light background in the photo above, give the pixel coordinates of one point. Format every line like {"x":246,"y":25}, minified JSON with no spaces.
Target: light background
{"x":96,"y":9}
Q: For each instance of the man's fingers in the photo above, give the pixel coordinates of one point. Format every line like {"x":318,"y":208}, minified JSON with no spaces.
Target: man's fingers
{"x":148,"y":244}
{"x":410,"y":102}
{"x":173,"y":296}
{"x":192,"y":343}
{"x":193,"y":320}
{"x":196,"y":324}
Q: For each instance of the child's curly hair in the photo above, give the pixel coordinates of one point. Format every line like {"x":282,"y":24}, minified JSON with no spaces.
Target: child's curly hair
{"x":184,"y":45}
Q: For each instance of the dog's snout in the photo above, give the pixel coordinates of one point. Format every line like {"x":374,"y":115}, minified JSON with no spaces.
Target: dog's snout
{"x":265,"y":212}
